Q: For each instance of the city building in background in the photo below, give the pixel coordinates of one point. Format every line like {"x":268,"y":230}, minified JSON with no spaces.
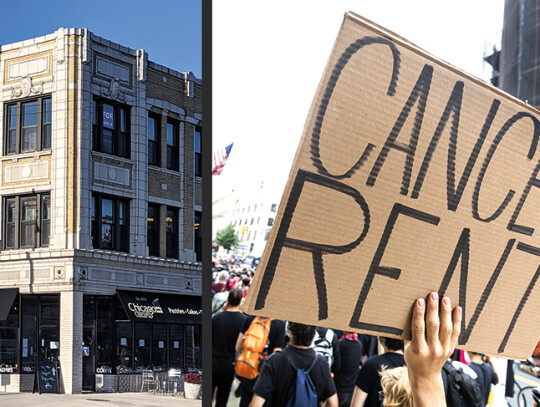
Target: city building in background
{"x":101,"y":201}
{"x":515,"y":63}
{"x":252,"y":215}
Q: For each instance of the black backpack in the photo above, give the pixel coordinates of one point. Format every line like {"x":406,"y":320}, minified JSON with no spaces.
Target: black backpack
{"x":461,"y":389}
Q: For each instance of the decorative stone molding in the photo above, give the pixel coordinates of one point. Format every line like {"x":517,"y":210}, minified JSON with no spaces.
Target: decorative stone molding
{"x":27,"y":88}
{"x":113,"y":91}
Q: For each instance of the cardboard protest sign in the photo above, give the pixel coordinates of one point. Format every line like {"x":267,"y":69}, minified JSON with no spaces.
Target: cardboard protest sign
{"x":411,"y":176}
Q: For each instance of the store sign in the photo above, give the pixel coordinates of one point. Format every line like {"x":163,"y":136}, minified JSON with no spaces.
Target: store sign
{"x":7,"y":369}
{"x":167,"y":308}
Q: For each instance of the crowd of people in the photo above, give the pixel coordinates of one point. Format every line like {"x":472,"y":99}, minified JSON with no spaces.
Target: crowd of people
{"x":340,"y":368}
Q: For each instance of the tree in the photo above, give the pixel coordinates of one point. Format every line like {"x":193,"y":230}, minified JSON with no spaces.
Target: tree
{"x":227,"y":237}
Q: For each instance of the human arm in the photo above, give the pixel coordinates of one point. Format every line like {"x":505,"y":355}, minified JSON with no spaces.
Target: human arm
{"x":256,"y":401}
{"x":336,"y":351}
{"x":239,"y":341}
{"x":331,"y":401}
{"x":435,"y":331}
{"x":359,"y":397}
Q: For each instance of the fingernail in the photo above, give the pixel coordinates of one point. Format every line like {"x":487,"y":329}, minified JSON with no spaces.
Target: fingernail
{"x":446,"y":301}
{"x":434,"y":297}
{"x":420,"y":303}
{"x":459,"y":310}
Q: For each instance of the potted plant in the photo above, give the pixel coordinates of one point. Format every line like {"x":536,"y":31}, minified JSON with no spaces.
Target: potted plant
{"x":192,"y":385}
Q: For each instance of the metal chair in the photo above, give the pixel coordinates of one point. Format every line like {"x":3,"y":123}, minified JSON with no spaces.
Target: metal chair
{"x":173,"y":381}
{"x":148,"y":379}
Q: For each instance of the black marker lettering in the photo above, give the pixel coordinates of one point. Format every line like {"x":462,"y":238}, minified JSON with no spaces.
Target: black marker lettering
{"x":336,"y":72}
{"x":466,"y":333}
{"x":316,"y":249}
{"x":489,"y":156}
{"x":533,"y":181}
{"x":454,"y":196}
{"x":390,"y":272}
{"x":532,"y":250}
{"x":419,"y":93}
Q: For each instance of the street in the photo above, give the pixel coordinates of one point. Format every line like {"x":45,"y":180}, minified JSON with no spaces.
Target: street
{"x":523,"y":380}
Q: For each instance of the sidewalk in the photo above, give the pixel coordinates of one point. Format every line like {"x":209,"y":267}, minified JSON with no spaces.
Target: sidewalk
{"x":95,"y":399}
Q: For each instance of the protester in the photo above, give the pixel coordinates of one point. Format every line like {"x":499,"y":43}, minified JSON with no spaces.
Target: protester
{"x":326,"y":343}
{"x":276,"y":342}
{"x":221,"y":284}
{"x":368,"y":383}
{"x":225,"y":329}
{"x":396,"y":388}
{"x":278,"y":375}
{"x":351,"y":352}
{"x":485,"y":372}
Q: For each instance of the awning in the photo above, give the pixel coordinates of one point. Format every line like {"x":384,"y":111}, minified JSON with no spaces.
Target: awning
{"x":7,"y":296}
{"x":158,"y":307}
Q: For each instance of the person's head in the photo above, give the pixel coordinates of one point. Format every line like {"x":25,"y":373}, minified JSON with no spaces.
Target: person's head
{"x":235,"y":296}
{"x":396,"y":387}
{"x":391,"y":344}
{"x":246,"y":281}
{"x":223,"y":276}
{"x":301,"y":334}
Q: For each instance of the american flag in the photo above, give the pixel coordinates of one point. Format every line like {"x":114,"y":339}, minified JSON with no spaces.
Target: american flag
{"x":220,"y":158}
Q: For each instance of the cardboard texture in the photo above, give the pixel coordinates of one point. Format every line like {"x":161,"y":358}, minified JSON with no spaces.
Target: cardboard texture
{"x":411,"y":176}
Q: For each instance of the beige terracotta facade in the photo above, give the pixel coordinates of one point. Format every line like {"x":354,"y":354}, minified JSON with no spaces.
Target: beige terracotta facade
{"x":74,"y":68}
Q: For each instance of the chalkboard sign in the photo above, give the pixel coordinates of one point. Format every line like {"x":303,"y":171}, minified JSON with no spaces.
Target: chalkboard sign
{"x":47,"y":377}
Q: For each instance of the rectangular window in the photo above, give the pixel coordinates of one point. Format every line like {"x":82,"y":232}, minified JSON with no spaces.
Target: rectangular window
{"x":153,"y":230}
{"x":171,"y":226}
{"x":27,"y":221}
{"x":110,"y":225}
{"x":154,"y":133}
{"x":143,"y":345}
{"x":198,"y":158}
{"x":172,"y":145}
{"x":198,"y":236}
{"x":28,"y":126}
{"x":110,"y":128}
{"x":176,"y":346}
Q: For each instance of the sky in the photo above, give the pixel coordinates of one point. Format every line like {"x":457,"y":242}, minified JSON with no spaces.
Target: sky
{"x":169,"y":30}
{"x":268,"y":58}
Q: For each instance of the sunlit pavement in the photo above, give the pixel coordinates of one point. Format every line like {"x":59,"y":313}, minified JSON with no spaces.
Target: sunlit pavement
{"x":94,"y":399}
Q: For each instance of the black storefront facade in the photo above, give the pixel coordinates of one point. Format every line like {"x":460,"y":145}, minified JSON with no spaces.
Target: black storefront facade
{"x":124,"y":333}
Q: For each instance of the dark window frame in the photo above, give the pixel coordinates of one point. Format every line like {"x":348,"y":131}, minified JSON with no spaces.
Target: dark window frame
{"x":154,"y":159}
{"x":171,"y":239}
{"x":173,"y":149}
{"x":120,"y":134}
{"x":42,"y":143}
{"x":153,"y":250}
{"x":197,"y":134}
{"x":197,"y":235}
{"x":39,"y":239}
{"x":120,"y":231}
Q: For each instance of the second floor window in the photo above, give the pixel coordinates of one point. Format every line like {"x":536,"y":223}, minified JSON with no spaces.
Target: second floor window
{"x":171,"y":227}
{"x":153,"y":230}
{"x":27,"y":221}
{"x":110,"y":128}
{"x":198,"y":159}
{"x":28,"y":125}
{"x":110,"y":225}
{"x":172,"y":145}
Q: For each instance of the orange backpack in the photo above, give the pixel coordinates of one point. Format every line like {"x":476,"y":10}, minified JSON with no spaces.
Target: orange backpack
{"x":247,"y":362}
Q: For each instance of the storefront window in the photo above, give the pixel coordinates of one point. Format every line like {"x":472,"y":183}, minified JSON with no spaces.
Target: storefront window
{"x":143,"y":332}
{"x":124,"y":343}
{"x":49,"y":337}
{"x":29,"y":343}
{"x":159,"y":347}
{"x":8,"y":340}
{"x":176,"y":346}
{"x":193,"y":347}
{"x":104,"y":340}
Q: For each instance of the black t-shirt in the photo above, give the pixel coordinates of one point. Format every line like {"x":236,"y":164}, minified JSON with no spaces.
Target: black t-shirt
{"x":486,"y":376}
{"x":276,"y":337}
{"x":225,"y":329}
{"x":278,"y":377}
{"x":369,"y":379}
{"x":351,"y":352}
